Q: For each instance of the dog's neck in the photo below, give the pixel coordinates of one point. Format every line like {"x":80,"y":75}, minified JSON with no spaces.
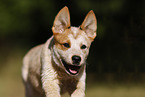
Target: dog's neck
{"x":55,"y":55}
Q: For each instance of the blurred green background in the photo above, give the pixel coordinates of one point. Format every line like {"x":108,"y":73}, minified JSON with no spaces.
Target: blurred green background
{"x":116,"y":63}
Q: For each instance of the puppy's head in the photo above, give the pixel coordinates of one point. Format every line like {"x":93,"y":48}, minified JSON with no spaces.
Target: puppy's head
{"x":72,"y":44}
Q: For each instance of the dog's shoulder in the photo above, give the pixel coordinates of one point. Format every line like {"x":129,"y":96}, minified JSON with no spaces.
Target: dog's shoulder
{"x":32,"y":60}
{"x":34,"y":52}
{"x":37,"y":50}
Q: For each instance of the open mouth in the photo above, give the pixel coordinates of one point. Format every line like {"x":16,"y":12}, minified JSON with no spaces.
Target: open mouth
{"x":72,"y":69}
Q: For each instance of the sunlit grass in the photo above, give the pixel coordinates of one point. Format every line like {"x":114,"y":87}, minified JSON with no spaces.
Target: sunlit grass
{"x":11,"y":83}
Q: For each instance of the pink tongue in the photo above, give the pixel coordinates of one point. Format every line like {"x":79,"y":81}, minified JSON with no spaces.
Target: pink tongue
{"x":72,"y":71}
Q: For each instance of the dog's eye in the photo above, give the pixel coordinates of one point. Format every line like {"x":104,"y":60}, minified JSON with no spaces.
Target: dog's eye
{"x":83,"y":47}
{"x":66,"y":45}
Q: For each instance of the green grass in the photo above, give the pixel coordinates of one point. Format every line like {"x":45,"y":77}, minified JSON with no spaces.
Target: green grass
{"x":11,"y":83}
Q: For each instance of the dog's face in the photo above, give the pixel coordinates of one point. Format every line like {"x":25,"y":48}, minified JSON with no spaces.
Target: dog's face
{"x":72,"y":43}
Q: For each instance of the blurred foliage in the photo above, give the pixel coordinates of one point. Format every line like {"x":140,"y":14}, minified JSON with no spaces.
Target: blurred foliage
{"x":119,"y":46}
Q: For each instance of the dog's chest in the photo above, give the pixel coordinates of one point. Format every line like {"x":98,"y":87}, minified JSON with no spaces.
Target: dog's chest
{"x":68,"y":85}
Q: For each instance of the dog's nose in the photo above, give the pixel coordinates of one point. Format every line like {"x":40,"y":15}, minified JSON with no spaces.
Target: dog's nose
{"x":76,"y":59}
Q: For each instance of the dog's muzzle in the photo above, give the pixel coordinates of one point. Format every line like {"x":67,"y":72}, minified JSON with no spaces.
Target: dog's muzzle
{"x":74,"y":68}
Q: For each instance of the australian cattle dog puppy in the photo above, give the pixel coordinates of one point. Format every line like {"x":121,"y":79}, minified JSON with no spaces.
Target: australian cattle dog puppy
{"x":58,"y":66}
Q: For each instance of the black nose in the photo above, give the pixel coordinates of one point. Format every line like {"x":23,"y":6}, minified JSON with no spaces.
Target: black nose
{"x":76,"y":59}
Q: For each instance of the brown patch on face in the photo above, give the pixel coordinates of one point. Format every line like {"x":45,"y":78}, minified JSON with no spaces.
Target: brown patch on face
{"x":61,"y":38}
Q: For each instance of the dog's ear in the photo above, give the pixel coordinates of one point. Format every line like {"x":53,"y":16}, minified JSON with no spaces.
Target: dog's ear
{"x":62,"y":21}
{"x":89,"y":25}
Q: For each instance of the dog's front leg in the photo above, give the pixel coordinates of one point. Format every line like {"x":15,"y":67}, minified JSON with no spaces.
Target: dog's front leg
{"x":80,"y":90}
{"x":51,"y":88}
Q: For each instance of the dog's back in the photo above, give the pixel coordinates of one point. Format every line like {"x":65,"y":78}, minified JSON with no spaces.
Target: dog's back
{"x":33,"y":54}
{"x":31,"y":71}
